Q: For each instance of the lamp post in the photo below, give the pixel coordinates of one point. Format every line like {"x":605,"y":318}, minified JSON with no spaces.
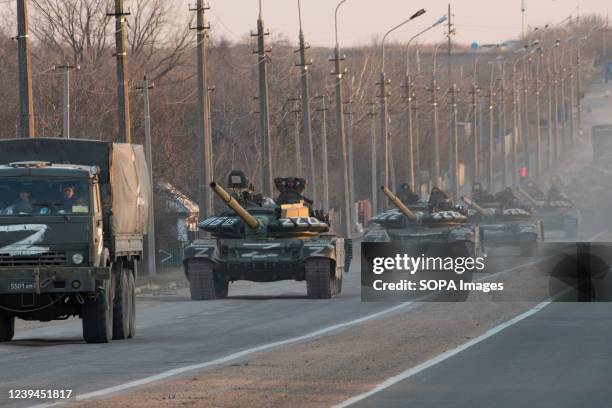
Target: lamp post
{"x":339,"y":75}
{"x":383,"y":101}
{"x":411,"y":140}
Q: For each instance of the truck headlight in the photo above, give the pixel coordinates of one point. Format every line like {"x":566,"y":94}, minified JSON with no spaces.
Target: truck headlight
{"x":77,"y":259}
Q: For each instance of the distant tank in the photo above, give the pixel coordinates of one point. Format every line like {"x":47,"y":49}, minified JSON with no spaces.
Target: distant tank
{"x":260,"y":240}
{"x":556,"y":215}
{"x":506,"y":227}
{"x":425,"y":229}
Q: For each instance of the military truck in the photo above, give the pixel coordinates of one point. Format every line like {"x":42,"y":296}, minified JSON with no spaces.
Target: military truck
{"x":72,"y":218}
{"x":506,"y":227}
{"x":262,"y":240}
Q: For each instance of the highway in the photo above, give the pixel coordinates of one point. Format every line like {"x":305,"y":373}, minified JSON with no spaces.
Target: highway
{"x":177,"y":332}
{"x":557,"y":357}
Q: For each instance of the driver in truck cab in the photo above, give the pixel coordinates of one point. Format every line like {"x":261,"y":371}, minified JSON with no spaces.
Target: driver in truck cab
{"x":22,"y":205}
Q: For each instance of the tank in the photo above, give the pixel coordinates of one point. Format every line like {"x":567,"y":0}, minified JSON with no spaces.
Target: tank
{"x":261,"y":240}
{"x":425,"y":230}
{"x":506,"y":227}
{"x":556,"y":215}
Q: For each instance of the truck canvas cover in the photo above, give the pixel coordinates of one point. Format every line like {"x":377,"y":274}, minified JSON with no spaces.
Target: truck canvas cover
{"x":122,"y":166}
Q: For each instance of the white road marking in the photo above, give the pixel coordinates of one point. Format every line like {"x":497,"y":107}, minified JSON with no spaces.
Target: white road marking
{"x":440,"y":358}
{"x":244,"y":353}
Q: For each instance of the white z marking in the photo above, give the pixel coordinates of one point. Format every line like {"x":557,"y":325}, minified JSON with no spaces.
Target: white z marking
{"x":25,"y":246}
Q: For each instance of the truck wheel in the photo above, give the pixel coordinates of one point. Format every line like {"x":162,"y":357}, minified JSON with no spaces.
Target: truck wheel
{"x":204,"y":284}
{"x":122,"y":305}
{"x":97,"y":315}
{"x":132,"y":292}
{"x":7,"y":328}
{"x":318,"y":279}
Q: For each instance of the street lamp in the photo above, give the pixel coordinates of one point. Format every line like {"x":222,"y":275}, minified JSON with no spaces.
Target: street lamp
{"x":339,"y":74}
{"x":383,"y":106}
{"x":412,"y":140}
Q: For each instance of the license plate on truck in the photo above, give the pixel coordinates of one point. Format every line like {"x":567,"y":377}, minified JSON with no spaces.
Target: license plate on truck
{"x":20,"y":286}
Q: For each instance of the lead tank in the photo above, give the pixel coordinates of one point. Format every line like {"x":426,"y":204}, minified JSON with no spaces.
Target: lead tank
{"x":260,"y":240}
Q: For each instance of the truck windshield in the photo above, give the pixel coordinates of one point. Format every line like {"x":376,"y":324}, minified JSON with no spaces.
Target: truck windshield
{"x":43,"y":197}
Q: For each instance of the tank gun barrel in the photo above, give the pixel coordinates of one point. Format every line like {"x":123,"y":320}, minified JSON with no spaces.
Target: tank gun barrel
{"x":234,"y":205}
{"x":475,"y":206}
{"x":527,"y":196}
{"x":398,"y":203}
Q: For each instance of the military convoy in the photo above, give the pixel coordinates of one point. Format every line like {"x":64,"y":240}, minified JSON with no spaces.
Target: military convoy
{"x":261,"y":240}
{"x":72,"y":218}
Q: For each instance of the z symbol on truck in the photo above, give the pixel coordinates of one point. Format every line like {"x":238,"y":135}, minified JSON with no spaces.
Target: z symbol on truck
{"x":25,"y":246}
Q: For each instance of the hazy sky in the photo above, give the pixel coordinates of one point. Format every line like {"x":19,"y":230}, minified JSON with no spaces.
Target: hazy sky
{"x":360,"y":20}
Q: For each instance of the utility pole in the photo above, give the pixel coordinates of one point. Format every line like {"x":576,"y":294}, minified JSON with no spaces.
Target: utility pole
{"x":323,"y":111}
{"x":436,"y":136}
{"x":311,"y":186}
{"x":204,"y":142}
{"x":264,"y":106}
{"x":454,"y":145}
{"x":538,"y":91}
{"x":123,"y":97}
{"x":451,"y":128}
{"x":515,"y":128}
{"x":375,"y":186}
{"x":66,"y":68}
{"x":491,"y":139}
{"x":26,"y":124}
{"x":475,"y":134}
{"x":550,"y":120}
{"x":384,"y":132}
{"x":409,"y":145}
{"x":345,"y":192}
{"x":572,"y":106}
{"x":557,"y":139}
{"x":502,"y":126}
{"x":296,"y":139}
{"x":150,"y":264}
{"x":416,"y":140}
{"x":525,"y":133}
{"x":349,"y":145}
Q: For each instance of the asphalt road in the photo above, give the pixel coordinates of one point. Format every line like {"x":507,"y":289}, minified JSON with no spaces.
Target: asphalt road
{"x":177,"y":332}
{"x":559,"y":357}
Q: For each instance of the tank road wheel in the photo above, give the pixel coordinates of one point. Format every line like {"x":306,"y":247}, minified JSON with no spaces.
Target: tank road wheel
{"x":204,"y":284}
{"x":97,"y":315}
{"x":319,"y":281}
{"x":122,"y":305}
{"x":7,"y":328}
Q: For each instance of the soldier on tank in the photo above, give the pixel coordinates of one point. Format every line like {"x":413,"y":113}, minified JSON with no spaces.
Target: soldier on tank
{"x":480,"y":195}
{"x":440,"y":200}
{"x":533,"y":190}
{"x":507,"y":199}
{"x":407,"y":196}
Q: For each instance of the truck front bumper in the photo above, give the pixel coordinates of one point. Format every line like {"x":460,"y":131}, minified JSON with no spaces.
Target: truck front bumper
{"x":51,"y":279}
